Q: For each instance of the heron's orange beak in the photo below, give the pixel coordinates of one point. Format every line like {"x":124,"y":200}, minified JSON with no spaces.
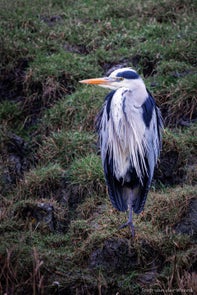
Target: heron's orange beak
{"x":96,"y":81}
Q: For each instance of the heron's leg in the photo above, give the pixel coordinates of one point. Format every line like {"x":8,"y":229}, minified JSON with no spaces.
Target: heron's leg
{"x":130,"y":219}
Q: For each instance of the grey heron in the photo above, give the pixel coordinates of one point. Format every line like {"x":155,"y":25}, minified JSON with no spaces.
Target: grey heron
{"x":129,"y":126}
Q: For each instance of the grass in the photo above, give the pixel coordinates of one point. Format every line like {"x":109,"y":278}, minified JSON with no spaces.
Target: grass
{"x":86,"y":170}
{"x":59,"y":232}
{"x":69,"y":112}
{"x":61,"y":146}
{"x":41,"y":181}
{"x":9,"y":115}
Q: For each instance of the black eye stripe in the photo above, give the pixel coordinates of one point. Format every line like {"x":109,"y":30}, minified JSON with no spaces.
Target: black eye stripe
{"x":128,"y":75}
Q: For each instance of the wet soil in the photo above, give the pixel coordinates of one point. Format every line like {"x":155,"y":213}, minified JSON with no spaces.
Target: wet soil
{"x":11,"y":81}
{"x":120,"y":256}
{"x":188,"y":223}
{"x":147,"y":64}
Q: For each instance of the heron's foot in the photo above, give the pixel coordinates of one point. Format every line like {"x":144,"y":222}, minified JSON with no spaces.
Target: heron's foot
{"x":130,"y":225}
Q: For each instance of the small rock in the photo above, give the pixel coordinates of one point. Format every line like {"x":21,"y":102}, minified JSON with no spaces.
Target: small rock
{"x":42,"y":213}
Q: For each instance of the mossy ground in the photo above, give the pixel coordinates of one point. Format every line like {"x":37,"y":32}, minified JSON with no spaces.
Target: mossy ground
{"x":59,"y":233}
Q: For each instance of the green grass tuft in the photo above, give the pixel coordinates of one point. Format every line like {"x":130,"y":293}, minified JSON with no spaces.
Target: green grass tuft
{"x":41,"y":182}
{"x":85,"y":170}
{"x":65,"y":146}
{"x":76,"y":112}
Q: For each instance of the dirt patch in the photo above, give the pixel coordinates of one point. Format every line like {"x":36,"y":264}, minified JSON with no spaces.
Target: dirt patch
{"x":41,"y":213}
{"x":11,"y":82}
{"x":188,"y":224}
{"x":170,"y":170}
{"x":80,"y":49}
{"x":46,"y":216}
{"x":33,"y":97}
{"x":16,"y":159}
{"x":115,"y":255}
{"x":120,"y":256}
{"x":147,"y":64}
{"x":52,"y":20}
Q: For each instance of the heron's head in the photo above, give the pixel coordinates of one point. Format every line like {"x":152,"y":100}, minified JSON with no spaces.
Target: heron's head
{"x":125,"y":77}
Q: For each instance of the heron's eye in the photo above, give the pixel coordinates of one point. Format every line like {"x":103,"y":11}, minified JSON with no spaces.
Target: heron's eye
{"x":119,"y":79}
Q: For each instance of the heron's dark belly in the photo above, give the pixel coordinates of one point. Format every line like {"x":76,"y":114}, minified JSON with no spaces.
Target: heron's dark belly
{"x":130,"y":179}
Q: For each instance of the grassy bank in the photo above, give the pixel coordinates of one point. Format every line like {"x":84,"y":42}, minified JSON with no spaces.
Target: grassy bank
{"x":58,"y":232}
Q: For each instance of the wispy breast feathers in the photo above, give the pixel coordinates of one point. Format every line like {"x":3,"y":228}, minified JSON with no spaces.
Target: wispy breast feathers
{"x":123,"y":134}
{"x":126,"y":130}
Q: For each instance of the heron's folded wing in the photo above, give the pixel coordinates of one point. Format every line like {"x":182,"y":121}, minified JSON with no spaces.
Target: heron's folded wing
{"x":115,"y":188}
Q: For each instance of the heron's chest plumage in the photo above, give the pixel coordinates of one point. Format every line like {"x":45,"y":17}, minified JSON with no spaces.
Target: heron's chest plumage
{"x":126,"y":110}
{"x":124,"y":131}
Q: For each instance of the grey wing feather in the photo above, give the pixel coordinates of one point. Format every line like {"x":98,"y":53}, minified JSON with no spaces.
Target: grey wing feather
{"x":115,"y":188}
